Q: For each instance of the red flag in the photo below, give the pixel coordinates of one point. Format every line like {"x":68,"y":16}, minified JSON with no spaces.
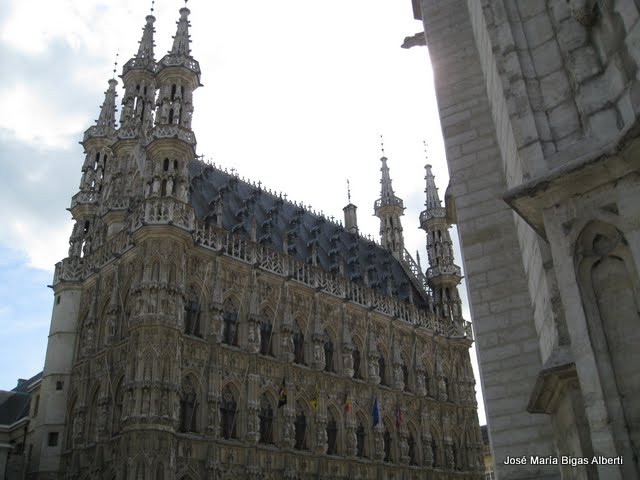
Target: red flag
{"x":347,"y":404}
{"x":398,"y":417}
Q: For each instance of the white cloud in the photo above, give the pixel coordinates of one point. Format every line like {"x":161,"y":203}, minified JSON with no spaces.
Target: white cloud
{"x":32,"y":118}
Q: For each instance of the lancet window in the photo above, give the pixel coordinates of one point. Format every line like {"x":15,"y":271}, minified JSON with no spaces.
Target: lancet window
{"x":332,"y":437}
{"x":230,"y":318}
{"x":381,"y":370}
{"x":188,"y":406}
{"x":192,"y":323}
{"x":329,"y":363}
{"x":266,"y":343}
{"x":228,"y":407}
{"x":387,"y":445}
{"x":300,"y":425}
{"x":265,"y":415}
{"x":361,"y":438}
{"x":356,"y":363}
{"x":298,"y":346}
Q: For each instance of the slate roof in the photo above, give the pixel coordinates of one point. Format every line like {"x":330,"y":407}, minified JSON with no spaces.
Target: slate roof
{"x":277,"y":219}
{"x":13,"y":406}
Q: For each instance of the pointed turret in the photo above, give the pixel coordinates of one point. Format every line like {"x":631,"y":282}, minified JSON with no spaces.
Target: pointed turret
{"x":144,"y":57}
{"x":443,"y":275}
{"x":107,"y":117}
{"x":172,"y":143}
{"x":181,"y":39}
{"x":139,"y":84}
{"x":178,"y":75}
{"x":389,"y":208}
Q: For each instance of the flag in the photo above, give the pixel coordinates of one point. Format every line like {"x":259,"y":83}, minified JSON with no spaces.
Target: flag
{"x":282,"y":396}
{"x":347,"y":404}
{"x":375,"y":413}
{"x":398,"y":417}
{"x":314,"y":400}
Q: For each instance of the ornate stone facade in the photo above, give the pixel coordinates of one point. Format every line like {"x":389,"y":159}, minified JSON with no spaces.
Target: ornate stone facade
{"x":203,"y":327}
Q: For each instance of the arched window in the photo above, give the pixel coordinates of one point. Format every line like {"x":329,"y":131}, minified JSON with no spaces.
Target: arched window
{"x":434,"y":450}
{"x":382,"y":373}
{"x":160,"y":471}
{"x":455,"y":455}
{"x":165,"y":166}
{"x":192,"y":324}
{"x":427,"y":386}
{"x":265,"y":414}
{"x":361,"y":438}
{"x":266,"y":344}
{"x":228,"y":407}
{"x":356,"y":363}
{"x":300,"y":425}
{"x":332,"y":437}
{"x":116,"y":420}
{"x":171,"y":116}
{"x":93,"y":415}
{"x":412,"y":449}
{"x":188,"y":406}
{"x":230,"y":318}
{"x":298,"y":346}
{"x":329,"y":363}
{"x":173,"y":92}
{"x":387,"y":445}
{"x":405,"y":377}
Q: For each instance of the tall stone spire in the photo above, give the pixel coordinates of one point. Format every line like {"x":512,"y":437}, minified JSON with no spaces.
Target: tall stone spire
{"x":139,"y":85}
{"x":181,"y":39}
{"x":443,"y":274}
{"x":145,"y":50}
{"x":389,"y":208}
{"x":107,"y":117}
{"x":178,"y":75}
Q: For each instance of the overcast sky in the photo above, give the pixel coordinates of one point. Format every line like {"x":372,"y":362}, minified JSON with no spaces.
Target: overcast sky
{"x":294,"y":95}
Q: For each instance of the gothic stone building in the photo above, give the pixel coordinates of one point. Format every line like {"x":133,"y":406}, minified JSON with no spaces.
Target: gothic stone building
{"x":539,"y":103}
{"x":203,"y":327}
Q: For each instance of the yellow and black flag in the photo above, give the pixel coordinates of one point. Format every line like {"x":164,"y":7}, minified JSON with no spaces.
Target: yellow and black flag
{"x":282,"y":396}
{"x":314,"y":400}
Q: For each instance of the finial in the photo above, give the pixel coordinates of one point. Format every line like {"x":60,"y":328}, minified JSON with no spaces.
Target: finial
{"x":426,"y":154}
{"x":382,"y":145}
{"x":348,"y":191}
{"x":115,"y":64}
{"x":153,"y":2}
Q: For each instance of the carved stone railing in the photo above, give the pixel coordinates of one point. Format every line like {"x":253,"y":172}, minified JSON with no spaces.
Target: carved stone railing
{"x":266,"y":258}
{"x":112,"y":248}
{"x":173,"y":131}
{"x":98,"y":131}
{"x":179,"y":61}
{"x":439,"y":212}
{"x":84,"y":198}
{"x":127,"y":133}
{"x":163,"y":211}
{"x":140,"y":63}
{"x":444,"y":270}
{"x":68,"y":270}
{"x":389,"y":201}
{"x":115,"y":203}
{"x":74,"y":269}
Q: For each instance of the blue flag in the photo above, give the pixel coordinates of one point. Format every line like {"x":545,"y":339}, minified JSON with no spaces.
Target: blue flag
{"x":375,"y":413}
